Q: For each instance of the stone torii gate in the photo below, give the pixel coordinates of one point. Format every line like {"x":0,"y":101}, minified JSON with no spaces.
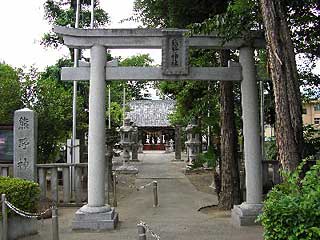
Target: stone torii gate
{"x":97,"y":214}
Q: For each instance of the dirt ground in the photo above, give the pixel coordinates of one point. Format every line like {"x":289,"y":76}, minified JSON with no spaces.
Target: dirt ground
{"x":202,"y":180}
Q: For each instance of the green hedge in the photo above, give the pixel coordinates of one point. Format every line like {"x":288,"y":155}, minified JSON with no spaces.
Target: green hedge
{"x":292,"y":209}
{"x":21,"y":193}
{"x":209,"y":157}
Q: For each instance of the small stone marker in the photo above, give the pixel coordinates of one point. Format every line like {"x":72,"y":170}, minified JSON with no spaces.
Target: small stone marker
{"x":25,"y":144}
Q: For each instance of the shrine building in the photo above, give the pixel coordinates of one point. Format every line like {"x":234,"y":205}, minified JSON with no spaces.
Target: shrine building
{"x":151,"y":118}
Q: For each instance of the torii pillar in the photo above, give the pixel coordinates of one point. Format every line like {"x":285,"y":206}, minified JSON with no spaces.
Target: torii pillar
{"x":96,"y":215}
{"x":247,"y":212}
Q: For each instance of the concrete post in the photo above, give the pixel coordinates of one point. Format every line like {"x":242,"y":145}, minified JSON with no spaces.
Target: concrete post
{"x":246,"y":213}
{"x":96,"y":215}
{"x":55,"y":224}
{"x":66,"y":184}
{"x":43,"y":182}
{"x":54,"y":185}
{"x":155,"y":194}
{"x":4,"y":218}
{"x":177,"y":143}
{"x":115,"y":202}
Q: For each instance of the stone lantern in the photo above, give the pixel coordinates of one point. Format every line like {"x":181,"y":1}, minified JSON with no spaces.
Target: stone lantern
{"x":193,"y":143}
{"x":126,"y":140}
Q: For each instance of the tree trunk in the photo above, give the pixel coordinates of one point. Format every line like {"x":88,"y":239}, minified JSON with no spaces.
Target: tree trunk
{"x":282,"y":64}
{"x":229,"y":169}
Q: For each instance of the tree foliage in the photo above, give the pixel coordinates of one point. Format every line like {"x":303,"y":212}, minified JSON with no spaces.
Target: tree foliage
{"x":283,"y":71}
{"x":175,"y":13}
{"x":52,"y":101}
{"x":10,"y":93}
{"x":137,"y":90}
{"x":63,"y":12}
{"x":291,"y":210}
{"x":303,"y":20}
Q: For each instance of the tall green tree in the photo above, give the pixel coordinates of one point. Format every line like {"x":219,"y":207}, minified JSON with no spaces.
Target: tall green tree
{"x":229,"y":169}
{"x":63,"y":13}
{"x":10,"y":93}
{"x":289,"y":132}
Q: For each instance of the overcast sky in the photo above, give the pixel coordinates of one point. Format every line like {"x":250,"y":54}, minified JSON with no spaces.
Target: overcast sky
{"x":22,"y":26}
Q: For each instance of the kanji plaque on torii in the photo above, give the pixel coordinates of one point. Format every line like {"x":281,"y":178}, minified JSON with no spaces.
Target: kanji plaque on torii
{"x":174,"y":53}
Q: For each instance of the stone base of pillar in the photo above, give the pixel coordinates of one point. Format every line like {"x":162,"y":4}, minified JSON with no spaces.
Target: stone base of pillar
{"x":127,"y":169}
{"x":245,"y":214}
{"x":95,"y":219}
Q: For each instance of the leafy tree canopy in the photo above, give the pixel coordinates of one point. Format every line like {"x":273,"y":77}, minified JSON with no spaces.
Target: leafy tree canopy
{"x":52,"y":100}
{"x":175,"y":13}
{"x":137,"y":90}
{"x":10,"y":93}
{"x":63,"y":12}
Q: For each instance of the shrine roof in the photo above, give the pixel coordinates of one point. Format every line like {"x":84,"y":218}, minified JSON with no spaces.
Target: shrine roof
{"x":151,"y":113}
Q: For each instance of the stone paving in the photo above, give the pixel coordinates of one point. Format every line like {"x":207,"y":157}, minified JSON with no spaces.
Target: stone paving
{"x":177,"y":216}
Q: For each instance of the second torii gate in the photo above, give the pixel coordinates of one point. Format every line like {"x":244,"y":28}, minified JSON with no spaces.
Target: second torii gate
{"x":97,"y":214}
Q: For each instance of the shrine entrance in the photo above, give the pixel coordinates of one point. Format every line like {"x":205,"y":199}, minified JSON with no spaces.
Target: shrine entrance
{"x":174,"y":45}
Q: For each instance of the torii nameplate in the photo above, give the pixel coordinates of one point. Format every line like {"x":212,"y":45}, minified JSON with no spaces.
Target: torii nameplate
{"x":174,"y":53}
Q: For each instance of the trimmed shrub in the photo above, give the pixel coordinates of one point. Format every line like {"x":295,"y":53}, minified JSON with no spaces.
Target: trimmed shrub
{"x":21,"y":193}
{"x":208,"y":158}
{"x":292,"y":209}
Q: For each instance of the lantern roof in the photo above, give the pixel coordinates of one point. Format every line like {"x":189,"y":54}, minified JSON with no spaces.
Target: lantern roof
{"x":127,"y":127}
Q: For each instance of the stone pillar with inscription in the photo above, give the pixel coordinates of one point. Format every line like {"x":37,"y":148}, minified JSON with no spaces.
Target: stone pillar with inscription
{"x":25,"y":144}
